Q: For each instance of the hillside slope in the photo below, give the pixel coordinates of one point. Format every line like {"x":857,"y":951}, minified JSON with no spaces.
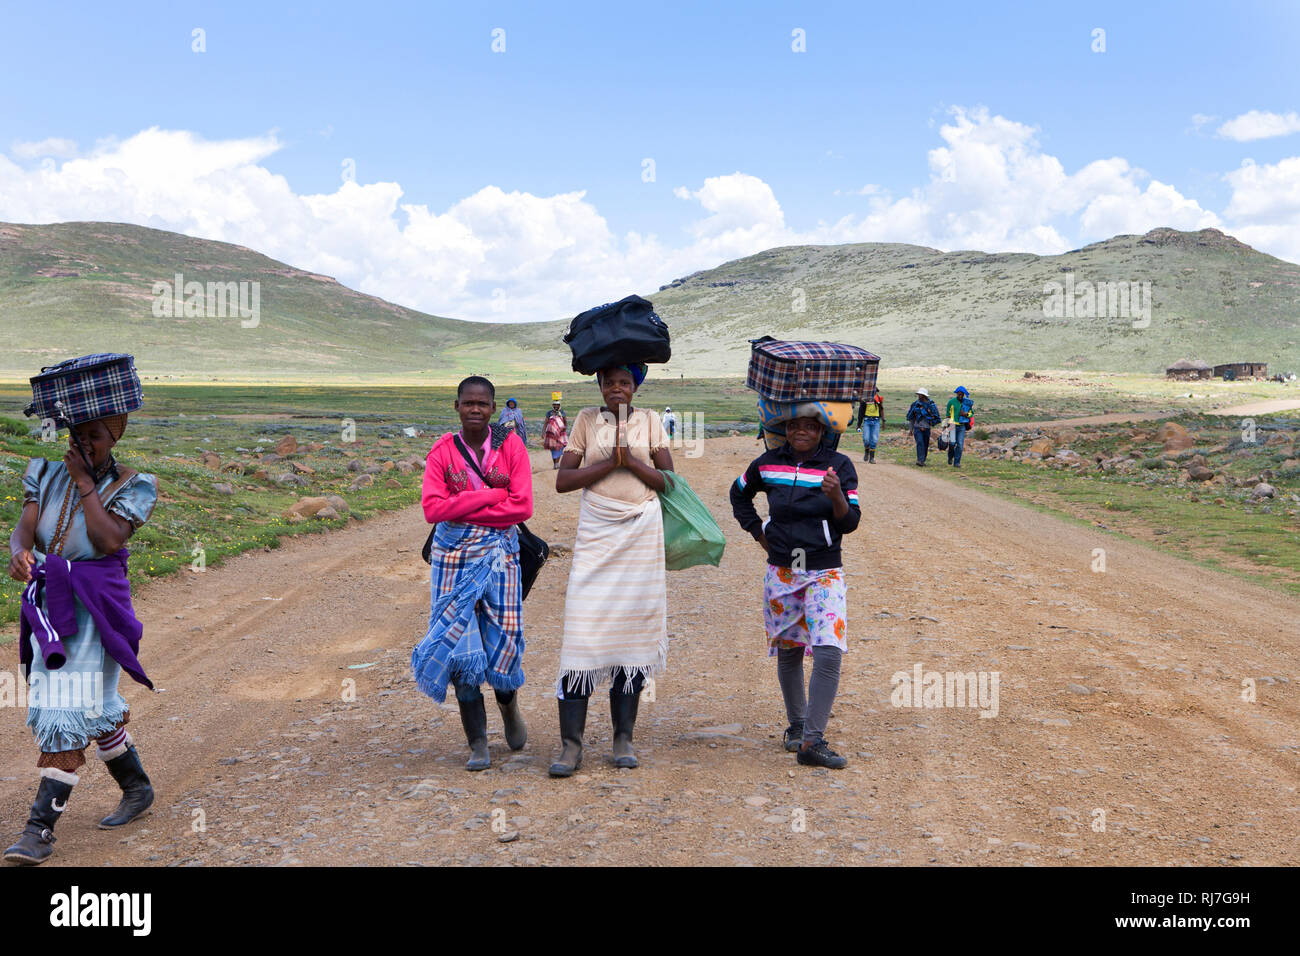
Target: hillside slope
{"x":73,"y":288}
{"x":1212,"y":297}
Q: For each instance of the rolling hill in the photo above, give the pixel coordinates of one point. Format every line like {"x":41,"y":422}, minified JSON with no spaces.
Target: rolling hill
{"x":73,"y":288}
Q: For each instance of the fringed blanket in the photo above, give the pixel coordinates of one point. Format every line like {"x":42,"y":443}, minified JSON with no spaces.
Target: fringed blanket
{"x":615,"y":611}
{"x":476,"y":630}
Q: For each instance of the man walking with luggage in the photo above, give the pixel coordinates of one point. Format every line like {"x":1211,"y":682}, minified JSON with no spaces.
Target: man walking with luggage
{"x":922,"y":415}
{"x":960,"y":410}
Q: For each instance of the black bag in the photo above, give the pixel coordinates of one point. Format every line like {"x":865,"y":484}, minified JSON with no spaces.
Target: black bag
{"x":618,"y":333}
{"x":533,"y":551}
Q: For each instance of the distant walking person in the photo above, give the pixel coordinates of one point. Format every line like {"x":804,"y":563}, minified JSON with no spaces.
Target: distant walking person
{"x":960,"y":411}
{"x":872,"y":414}
{"x":670,"y":422}
{"x":812,"y":502}
{"x":556,"y":433}
{"x":922,"y":415}
{"x":478,"y":485}
{"x":512,"y":416}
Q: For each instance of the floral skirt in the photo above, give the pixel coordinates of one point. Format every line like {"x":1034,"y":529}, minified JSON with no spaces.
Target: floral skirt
{"x":805,"y":608}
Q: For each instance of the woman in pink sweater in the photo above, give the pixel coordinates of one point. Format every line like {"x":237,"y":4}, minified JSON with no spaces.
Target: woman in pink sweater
{"x":478,"y":484}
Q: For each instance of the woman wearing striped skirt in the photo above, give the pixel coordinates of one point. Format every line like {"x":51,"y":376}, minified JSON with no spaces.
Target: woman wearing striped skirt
{"x":615,"y":613}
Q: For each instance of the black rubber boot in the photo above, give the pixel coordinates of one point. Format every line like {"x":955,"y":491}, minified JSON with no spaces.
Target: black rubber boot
{"x":622,"y":714}
{"x":872,"y":459}
{"x":573,"y":722}
{"x":137,"y":791}
{"x":37,"y":842}
{"x":513,"y":718}
{"x":473,"y":717}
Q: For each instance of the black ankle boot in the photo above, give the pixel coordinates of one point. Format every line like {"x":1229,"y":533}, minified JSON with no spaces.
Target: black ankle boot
{"x":573,"y":722}
{"x":37,"y":842}
{"x":622,"y":713}
{"x":473,"y":717}
{"x":516,"y":731}
{"x":137,"y":791}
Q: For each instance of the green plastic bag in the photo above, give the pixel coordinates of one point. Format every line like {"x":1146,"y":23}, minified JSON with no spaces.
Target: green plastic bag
{"x":691,"y":536}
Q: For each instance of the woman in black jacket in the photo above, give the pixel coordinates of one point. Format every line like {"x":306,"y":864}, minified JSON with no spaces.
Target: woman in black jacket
{"x":812,"y":498}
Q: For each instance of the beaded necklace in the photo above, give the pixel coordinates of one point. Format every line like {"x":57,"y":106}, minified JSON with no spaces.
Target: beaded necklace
{"x":60,"y":529}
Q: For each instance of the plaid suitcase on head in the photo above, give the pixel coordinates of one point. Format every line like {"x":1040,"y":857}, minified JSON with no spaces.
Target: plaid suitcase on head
{"x":811,"y":371}
{"x":83,"y":389}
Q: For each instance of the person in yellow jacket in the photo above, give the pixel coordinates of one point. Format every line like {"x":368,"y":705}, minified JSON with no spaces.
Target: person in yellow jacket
{"x":872,"y":416}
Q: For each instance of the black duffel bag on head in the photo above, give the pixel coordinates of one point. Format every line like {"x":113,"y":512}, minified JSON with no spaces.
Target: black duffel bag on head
{"x":533,"y":551}
{"x":625,"y":332}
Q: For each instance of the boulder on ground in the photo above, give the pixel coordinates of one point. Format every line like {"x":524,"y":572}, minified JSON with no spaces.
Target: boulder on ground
{"x":221,"y":488}
{"x":302,"y":469}
{"x":1199,"y":473}
{"x":291,"y":480}
{"x":307,"y":506}
{"x":405,"y":467}
{"x":392,"y":483}
{"x":286,"y":445}
{"x":212,"y":460}
{"x":1174,"y":437}
{"x":1041,"y":446}
{"x":337,"y":503}
{"x":326,"y":513}
{"x":234,"y":467}
{"x":362,"y":481}
{"x":387,"y":466}
{"x":1263,"y":490}
{"x":260,"y":475}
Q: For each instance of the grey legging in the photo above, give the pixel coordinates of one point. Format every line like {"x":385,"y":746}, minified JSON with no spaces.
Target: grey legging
{"x":814,"y":710}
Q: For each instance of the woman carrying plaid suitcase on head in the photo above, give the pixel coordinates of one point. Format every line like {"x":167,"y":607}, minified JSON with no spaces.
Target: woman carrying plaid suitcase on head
{"x":79,"y":631}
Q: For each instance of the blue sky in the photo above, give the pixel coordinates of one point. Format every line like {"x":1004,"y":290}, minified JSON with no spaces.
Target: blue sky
{"x":414,"y":95}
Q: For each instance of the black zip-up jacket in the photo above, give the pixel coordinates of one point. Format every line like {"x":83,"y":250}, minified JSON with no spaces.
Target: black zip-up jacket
{"x":800,"y":516}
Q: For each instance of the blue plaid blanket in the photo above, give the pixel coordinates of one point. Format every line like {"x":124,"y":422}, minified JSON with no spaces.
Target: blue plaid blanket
{"x":476,"y":630}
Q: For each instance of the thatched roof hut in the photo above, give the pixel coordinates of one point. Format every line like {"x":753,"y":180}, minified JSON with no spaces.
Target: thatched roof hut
{"x":1188,"y":370}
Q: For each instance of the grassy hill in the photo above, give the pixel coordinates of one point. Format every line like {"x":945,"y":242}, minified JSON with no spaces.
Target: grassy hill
{"x":72,"y":288}
{"x":1213,"y":298}
{"x":80,"y":287}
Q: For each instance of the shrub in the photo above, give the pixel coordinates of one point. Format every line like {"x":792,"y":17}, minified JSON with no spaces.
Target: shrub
{"x":1153,"y":463}
{"x":12,"y":426}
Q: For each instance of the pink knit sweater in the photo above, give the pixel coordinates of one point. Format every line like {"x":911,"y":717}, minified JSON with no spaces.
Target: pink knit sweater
{"x":448,"y":496}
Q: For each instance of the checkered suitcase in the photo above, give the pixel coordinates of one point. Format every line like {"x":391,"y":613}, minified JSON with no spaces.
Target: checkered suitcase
{"x":811,"y":371}
{"x":83,"y":389}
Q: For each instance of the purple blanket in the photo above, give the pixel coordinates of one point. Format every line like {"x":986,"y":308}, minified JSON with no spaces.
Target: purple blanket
{"x":103,"y":588}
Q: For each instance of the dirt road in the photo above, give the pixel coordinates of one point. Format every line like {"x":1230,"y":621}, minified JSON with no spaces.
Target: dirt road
{"x":1120,"y":699}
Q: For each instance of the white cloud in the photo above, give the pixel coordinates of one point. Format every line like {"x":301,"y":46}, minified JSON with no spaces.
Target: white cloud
{"x":52,"y":147}
{"x":497,"y":255}
{"x":1259,"y":124}
{"x":1265,"y":206}
{"x":992,"y":188}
